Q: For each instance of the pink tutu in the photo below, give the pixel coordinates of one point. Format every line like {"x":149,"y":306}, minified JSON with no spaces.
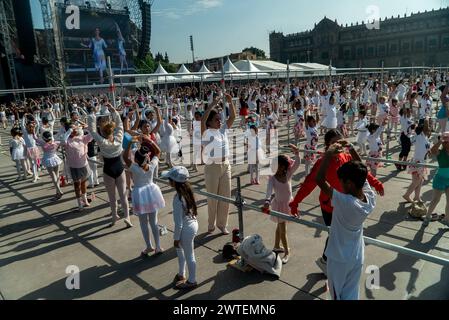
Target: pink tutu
{"x":298,"y":129}
{"x":374,"y":164}
{"x":34,"y":153}
{"x":308,"y":156}
{"x":422,"y":172}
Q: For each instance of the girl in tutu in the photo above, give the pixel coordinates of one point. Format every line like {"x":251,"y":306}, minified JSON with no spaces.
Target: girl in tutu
{"x":394,"y":116}
{"x":169,"y":144}
{"x":32,"y":150}
{"x":311,"y":141}
{"x":362,"y":128}
{"x":50,"y":160}
{"x":419,"y":174}
{"x":375,"y":146}
{"x":17,"y":150}
{"x":280,"y":184}
{"x":299,"y":124}
{"x":147,"y":198}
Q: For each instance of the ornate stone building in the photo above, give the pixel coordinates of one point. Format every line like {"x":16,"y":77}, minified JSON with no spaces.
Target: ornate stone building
{"x":418,"y":39}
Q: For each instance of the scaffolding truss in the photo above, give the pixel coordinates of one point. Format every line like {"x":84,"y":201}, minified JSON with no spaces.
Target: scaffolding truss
{"x":55,"y":73}
{"x":7,"y":25}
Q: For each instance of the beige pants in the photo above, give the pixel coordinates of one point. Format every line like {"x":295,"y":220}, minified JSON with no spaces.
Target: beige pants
{"x":218,"y":181}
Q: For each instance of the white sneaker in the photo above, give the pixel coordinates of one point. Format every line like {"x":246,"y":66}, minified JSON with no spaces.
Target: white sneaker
{"x":35,"y":179}
{"x":322,"y":265}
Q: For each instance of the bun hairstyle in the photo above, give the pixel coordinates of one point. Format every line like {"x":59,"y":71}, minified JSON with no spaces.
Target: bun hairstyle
{"x":47,"y":136}
{"x":108,"y":129}
{"x":146,"y":151}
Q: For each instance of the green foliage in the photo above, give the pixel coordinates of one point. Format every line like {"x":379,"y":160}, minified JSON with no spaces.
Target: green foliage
{"x":150,"y":64}
{"x":258,"y":52}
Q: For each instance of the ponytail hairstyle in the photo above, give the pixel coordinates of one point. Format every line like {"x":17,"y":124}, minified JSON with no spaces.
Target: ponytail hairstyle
{"x":184,"y":191}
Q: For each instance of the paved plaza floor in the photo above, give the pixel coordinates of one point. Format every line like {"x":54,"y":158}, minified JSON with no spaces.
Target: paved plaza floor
{"x":39,"y":238}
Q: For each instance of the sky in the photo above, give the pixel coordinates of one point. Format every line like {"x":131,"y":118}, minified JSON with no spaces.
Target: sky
{"x":221,"y":27}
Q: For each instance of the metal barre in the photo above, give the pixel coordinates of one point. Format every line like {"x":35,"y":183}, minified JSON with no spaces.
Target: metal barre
{"x":368,"y":240}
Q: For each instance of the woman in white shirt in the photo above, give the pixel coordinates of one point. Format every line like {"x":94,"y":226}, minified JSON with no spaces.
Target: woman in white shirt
{"x":111,"y":149}
{"x":217,"y":172}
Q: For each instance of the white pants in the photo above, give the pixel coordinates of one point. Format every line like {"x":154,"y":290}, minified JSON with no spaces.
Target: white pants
{"x":186,"y":252}
{"x":93,"y":178}
{"x":344,"y":279}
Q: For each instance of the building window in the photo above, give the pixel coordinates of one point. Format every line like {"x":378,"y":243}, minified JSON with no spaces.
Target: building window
{"x":370,"y":52}
{"x":359,"y":52}
{"x":394,"y":49}
{"x":446,"y":42}
{"x":419,"y":45}
{"x":382,"y":51}
{"x":433,"y":43}
{"x":347,"y":54}
{"x":406,"y":47}
{"x":325,"y":55}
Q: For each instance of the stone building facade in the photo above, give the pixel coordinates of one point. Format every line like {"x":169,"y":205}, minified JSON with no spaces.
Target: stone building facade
{"x":418,"y":39}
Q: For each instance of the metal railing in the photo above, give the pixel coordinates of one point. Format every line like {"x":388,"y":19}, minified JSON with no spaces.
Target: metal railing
{"x":241,"y":204}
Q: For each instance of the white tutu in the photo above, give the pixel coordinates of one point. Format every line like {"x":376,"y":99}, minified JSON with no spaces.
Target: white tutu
{"x":169,"y":144}
{"x":147,"y":199}
{"x":18,"y":154}
{"x":50,"y":162}
{"x":330,"y":123}
{"x":362,"y":136}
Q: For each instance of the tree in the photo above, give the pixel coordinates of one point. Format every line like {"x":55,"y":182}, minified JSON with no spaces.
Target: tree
{"x":258,"y":52}
{"x":159,"y":57}
{"x":146,"y":65}
{"x":166,"y":60}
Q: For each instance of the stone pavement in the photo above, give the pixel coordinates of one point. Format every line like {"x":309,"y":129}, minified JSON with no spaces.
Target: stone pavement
{"x":39,"y":238}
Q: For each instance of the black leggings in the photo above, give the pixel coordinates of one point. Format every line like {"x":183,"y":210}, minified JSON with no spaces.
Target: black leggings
{"x":327,"y":217}
{"x":406,"y":145}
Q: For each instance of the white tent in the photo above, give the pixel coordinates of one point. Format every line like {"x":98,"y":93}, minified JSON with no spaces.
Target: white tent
{"x":204,"y":69}
{"x":160,"y":72}
{"x":185,"y":74}
{"x":231,"y":70}
{"x":229,"y":67}
{"x":248,"y":66}
{"x":315,"y":69}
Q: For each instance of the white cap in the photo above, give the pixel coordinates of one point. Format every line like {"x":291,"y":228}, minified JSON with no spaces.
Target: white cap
{"x":177,"y":174}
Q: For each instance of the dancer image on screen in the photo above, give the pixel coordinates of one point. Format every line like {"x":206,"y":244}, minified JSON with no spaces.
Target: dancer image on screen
{"x":97,"y":44}
{"x":121,"y":49}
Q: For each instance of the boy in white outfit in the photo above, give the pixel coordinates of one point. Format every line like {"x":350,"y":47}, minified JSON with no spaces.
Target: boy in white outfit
{"x":345,"y":251}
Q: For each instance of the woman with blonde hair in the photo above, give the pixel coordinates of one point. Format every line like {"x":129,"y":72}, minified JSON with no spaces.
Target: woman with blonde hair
{"x":110,"y":144}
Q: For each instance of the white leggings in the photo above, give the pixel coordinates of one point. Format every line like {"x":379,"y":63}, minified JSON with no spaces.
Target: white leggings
{"x":54,"y":175}
{"x":34,"y":167}
{"x":93,"y":178}
{"x":150,"y":218}
{"x":186,"y":254}
{"x":21,"y":165}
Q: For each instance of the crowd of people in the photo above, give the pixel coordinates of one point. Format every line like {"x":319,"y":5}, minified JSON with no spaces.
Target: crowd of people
{"x":131,"y":135}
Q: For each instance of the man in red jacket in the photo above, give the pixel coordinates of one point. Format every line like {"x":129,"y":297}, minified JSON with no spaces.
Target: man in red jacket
{"x":309,"y":184}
